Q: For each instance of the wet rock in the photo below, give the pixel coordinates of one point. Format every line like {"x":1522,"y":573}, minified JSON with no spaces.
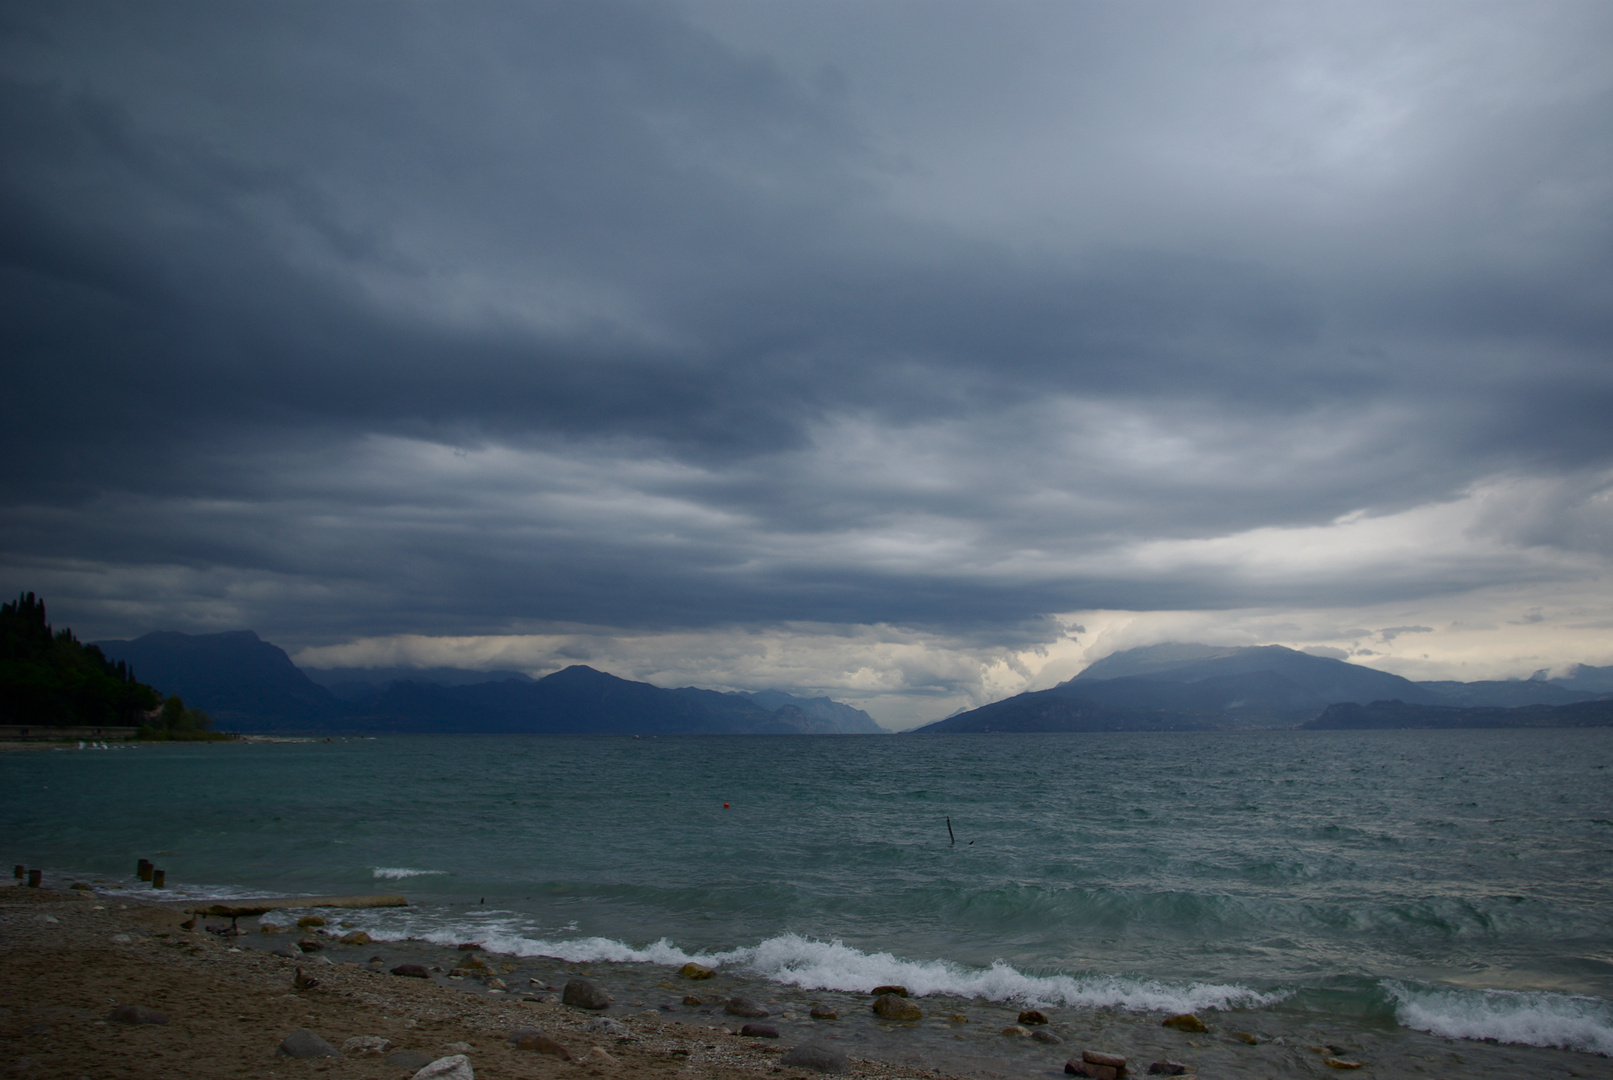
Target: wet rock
{"x":412,"y":971}
{"x":366,"y":1045}
{"x":1247,"y":1038}
{"x":455,"y":1048}
{"x":604,"y":1025}
{"x":1184,"y":1022}
{"x":303,"y":1043}
{"x":1031,"y":1017}
{"x":355,"y":937}
{"x":1097,"y":1066}
{"x":496,"y":983}
{"x":310,"y":920}
{"x":692,"y":1001}
{"x":817,"y":1058}
{"x":823,"y":1012}
{"x":474,"y":963}
{"x":899,"y":991}
{"x":1341,"y":1063}
{"x":122,"y":939}
{"x":1042,"y":1035}
{"x":1014,"y":1031}
{"x":1166,"y":1068}
{"x":412,"y":1060}
{"x":287,"y":953}
{"x":540,"y":1043}
{"x":136,"y":1014}
{"x":744,"y":1007}
{"x":692,"y":970}
{"x":599,"y":1056}
{"x":456,"y":1067}
{"x":309,"y":944}
{"x":585,"y":995}
{"x":895,"y":1007}
{"x":957,"y":1018}
{"x":759,"y":1031}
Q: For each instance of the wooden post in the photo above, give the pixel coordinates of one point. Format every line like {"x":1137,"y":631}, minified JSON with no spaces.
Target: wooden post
{"x":19,"y":873}
{"x":33,"y":878}
{"x":159,"y":879}
{"x":144,"y":869}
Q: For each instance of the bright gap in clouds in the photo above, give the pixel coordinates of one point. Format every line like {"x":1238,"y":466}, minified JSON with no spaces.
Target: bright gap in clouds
{"x":904,"y":677}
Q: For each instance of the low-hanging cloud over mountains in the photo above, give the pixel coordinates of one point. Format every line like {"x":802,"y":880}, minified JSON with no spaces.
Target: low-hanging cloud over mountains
{"x":703,"y":338}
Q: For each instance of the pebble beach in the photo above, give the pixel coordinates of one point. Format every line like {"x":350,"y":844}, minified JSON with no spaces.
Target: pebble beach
{"x":114,"y":983}
{"x":78,"y":965}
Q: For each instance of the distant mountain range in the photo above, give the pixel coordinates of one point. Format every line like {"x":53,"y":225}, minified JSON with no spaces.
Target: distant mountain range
{"x":1184,"y":686}
{"x":247,"y":684}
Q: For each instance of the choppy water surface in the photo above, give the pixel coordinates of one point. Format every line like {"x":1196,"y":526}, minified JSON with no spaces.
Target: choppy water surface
{"x":1453,"y":883}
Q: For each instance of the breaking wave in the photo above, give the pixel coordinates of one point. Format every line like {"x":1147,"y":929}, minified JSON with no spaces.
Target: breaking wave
{"x":793,"y":960}
{"x":1532,"y":1018}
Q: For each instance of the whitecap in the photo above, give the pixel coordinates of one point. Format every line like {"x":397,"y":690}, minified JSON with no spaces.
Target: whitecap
{"x":833,"y":965}
{"x":1532,"y":1018}
{"x":794,"y":960}
{"x":396,"y":873}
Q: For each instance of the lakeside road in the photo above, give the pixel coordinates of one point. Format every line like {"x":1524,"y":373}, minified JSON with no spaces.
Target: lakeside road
{"x":72,"y":957}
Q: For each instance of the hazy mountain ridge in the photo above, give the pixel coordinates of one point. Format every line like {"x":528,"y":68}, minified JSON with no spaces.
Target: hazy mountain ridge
{"x":248,"y":684}
{"x":241,"y":681}
{"x":1189,"y":686}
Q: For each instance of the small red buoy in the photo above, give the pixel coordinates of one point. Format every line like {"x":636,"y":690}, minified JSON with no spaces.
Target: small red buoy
{"x":725,"y":806}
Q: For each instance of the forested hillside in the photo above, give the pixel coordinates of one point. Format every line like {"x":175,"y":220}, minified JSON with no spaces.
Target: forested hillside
{"x":52,"y":679}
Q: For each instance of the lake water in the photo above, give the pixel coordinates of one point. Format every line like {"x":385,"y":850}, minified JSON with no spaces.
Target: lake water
{"x":1404,"y":894}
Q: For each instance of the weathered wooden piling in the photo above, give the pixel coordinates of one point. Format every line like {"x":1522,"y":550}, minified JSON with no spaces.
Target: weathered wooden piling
{"x":33,"y":878}
{"x":143,"y":869}
{"x":19,"y":872}
{"x":159,"y":879}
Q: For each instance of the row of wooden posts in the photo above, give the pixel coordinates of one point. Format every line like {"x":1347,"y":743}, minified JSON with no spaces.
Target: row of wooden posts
{"x":146,"y":869}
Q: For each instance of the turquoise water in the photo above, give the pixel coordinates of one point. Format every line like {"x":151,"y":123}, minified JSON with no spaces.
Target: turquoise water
{"x":1454,"y":882}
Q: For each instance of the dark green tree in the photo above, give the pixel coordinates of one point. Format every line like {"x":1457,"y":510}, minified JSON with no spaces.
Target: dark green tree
{"x":51,"y":679}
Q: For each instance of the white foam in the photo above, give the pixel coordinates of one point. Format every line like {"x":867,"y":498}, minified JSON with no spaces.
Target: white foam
{"x":1532,"y":1018}
{"x":832,"y":965}
{"x":395,"y":873}
{"x":793,"y":960}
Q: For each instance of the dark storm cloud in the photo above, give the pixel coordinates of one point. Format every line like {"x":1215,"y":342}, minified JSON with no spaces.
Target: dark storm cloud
{"x":727,"y":320}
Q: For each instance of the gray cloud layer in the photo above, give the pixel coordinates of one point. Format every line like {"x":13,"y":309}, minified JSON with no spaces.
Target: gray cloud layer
{"x":341,"y":320}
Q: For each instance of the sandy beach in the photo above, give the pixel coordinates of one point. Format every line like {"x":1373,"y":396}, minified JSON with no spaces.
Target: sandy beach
{"x":71,"y":957}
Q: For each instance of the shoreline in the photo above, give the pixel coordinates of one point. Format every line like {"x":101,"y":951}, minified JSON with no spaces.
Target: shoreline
{"x":71,"y":957}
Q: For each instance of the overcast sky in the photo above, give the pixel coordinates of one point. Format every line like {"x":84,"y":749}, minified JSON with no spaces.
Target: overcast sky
{"x":913,"y":353}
